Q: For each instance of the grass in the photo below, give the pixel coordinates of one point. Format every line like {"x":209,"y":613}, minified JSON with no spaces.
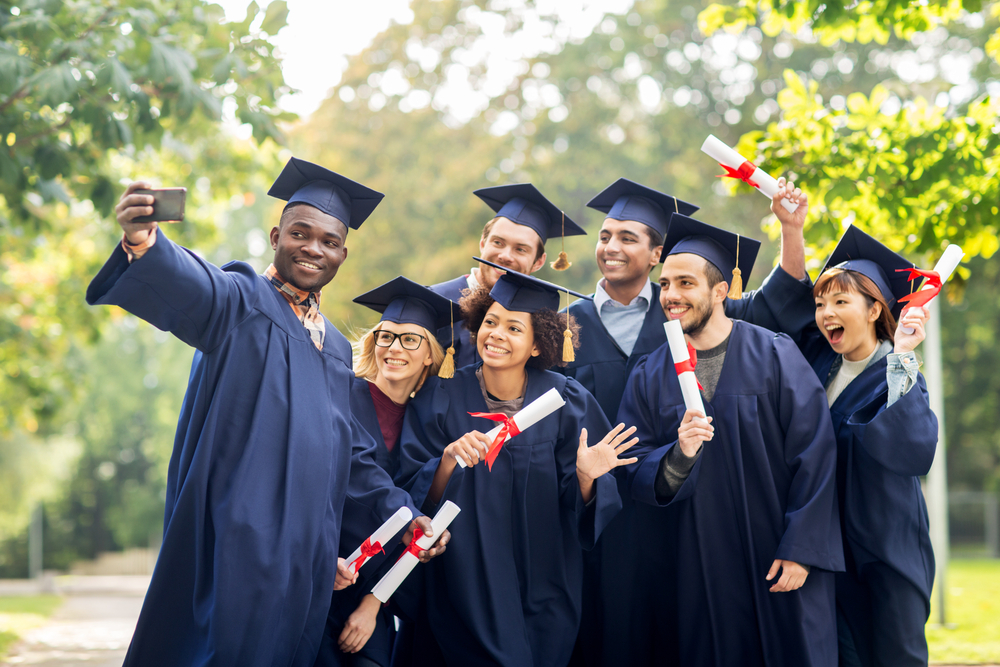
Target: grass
{"x":20,"y":614}
{"x":974,"y":610}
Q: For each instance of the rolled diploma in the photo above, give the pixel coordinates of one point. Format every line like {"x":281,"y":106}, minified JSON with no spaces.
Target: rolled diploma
{"x":945,"y":266}
{"x":723,"y":154}
{"x":679,"y":352}
{"x":538,"y":409}
{"x":386,"y":532}
{"x":388,"y":584}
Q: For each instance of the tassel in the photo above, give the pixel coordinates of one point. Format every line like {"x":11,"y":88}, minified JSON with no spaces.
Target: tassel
{"x":562,"y":262}
{"x":569,"y":355}
{"x":736,"y":290}
{"x":447,"y":369}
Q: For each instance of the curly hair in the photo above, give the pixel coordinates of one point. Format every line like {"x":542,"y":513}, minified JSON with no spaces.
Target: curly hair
{"x":548,"y":326}
{"x":365,"y":365}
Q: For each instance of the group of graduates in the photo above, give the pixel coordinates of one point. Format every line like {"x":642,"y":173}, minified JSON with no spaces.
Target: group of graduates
{"x":785,"y":525}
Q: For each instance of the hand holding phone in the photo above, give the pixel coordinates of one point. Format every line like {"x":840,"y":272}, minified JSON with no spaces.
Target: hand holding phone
{"x":168,"y":205}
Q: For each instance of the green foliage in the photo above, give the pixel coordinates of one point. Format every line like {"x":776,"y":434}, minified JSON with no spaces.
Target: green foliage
{"x":973,"y":634}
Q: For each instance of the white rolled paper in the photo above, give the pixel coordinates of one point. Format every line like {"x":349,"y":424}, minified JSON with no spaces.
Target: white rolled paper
{"x":726,"y":156}
{"x":679,"y":352}
{"x":533,"y":412}
{"x":386,"y":532}
{"x":394,"y":577}
{"x":945,"y":266}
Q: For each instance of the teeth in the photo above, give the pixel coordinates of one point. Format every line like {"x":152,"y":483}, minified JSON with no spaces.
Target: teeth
{"x":831,"y":327}
{"x":307,"y":265}
{"x":614,"y":262}
{"x":677,"y":310}
{"x":396,"y":362}
{"x":496,"y":350}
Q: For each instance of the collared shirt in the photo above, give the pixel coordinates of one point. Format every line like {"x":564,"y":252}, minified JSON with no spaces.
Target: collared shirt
{"x":305,"y":305}
{"x":623,"y":321}
{"x":471,"y":281}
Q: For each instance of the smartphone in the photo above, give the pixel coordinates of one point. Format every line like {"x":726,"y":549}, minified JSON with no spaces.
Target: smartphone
{"x":168,"y":205}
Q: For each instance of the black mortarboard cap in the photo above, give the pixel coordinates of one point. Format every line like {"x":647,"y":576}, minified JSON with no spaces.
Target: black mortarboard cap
{"x":524,"y":293}
{"x":524,"y":204}
{"x":405,"y":302}
{"x":335,"y":195}
{"x":628,"y":200}
{"x":721,"y":248}
{"x":857,"y":251}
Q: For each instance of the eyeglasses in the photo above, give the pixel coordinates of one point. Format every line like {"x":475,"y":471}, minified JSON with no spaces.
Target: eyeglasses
{"x":409,"y":341}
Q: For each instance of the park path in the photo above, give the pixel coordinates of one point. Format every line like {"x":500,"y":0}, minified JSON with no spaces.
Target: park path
{"x":92,"y":627}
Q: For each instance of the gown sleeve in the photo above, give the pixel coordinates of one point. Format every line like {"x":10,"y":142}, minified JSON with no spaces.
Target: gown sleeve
{"x":812,"y":524}
{"x":583,"y":412}
{"x":783,"y":304}
{"x":902,"y":437}
{"x":175,"y":290}
{"x":422,"y":441}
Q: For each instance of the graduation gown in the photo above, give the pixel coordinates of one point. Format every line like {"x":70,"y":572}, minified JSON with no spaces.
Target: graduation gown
{"x":507,"y":590}
{"x":624,"y":618}
{"x":260,"y":470}
{"x":881,"y":452}
{"x":465,"y":349}
{"x":762,"y":489}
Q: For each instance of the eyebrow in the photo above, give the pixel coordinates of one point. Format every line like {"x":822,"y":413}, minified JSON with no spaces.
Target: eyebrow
{"x":310,"y":226}
{"x":683,"y":276}
{"x":516,"y":321}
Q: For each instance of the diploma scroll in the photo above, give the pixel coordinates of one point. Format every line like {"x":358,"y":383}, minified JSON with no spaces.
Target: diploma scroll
{"x":945,"y":266}
{"x":679,"y":352}
{"x":379,"y":538}
{"x":739,"y":167}
{"x":538,"y":409}
{"x":394,"y":577}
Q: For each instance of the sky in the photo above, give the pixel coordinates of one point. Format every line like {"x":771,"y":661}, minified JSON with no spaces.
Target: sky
{"x":322,"y":34}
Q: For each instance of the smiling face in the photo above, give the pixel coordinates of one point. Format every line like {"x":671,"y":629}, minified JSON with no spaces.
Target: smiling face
{"x":685,"y":293}
{"x":308,"y":247}
{"x":847,"y":319}
{"x":397,"y":364}
{"x":623,"y":251}
{"x":506,"y":338}
{"x":512,"y":245}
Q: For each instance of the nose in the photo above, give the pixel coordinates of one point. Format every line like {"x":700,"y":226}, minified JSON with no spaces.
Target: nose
{"x":396,"y":343}
{"x":612,"y":246}
{"x":311,"y":247}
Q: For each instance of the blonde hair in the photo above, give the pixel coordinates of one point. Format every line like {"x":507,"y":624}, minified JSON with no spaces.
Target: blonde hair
{"x":365,"y":365}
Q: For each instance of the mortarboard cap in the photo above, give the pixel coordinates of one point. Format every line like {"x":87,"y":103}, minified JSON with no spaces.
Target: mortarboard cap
{"x":857,"y":251}
{"x":628,"y":200}
{"x":733,"y":254}
{"x":405,"y":302}
{"x":331,"y":193}
{"x":524,"y":293}
{"x":524,"y":204}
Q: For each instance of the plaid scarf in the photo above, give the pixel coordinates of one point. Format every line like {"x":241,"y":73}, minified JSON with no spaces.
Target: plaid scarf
{"x":305,"y":305}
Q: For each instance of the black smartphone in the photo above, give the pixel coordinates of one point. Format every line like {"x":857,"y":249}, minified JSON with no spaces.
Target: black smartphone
{"x":168,"y":205}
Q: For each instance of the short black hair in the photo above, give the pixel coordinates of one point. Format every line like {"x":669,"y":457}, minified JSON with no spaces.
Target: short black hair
{"x":655,"y":238}
{"x":713,"y":275}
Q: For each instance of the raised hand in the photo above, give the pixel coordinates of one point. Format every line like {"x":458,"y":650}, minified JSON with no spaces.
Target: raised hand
{"x":913,"y":318}
{"x":132,"y":206}
{"x":787,"y":190}
{"x":592,"y":462}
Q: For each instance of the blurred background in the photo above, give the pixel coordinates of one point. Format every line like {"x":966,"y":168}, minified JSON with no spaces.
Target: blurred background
{"x":886,"y":112}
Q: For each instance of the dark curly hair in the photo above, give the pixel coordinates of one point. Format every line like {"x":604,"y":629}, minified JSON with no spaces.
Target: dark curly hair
{"x":548,"y":326}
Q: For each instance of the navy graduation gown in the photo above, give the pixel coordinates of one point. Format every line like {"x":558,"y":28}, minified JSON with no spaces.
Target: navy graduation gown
{"x":378,"y":648}
{"x":762,"y":489}
{"x":260,"y":470}
{"x":465,"y":349}
{"x":881,"y":452}
{"x":507,"y":590}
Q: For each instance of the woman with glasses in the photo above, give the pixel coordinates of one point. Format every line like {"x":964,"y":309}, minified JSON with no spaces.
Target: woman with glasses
{"x":391,"y":362}
{"x":511,"y":593}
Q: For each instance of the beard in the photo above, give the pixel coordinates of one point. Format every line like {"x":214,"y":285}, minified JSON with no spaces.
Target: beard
{"x":700,"y":315}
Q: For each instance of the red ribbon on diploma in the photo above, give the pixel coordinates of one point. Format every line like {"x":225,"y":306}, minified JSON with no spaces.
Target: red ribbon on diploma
{"x":509,"y":430}
{"x":367,"y":551}
{"x":743,"y":173}
{"x":413,"y":547}
{"x":685,"y":366}
{"x":922,"y":296}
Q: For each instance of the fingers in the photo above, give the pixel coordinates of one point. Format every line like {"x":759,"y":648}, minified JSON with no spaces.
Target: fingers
{"x":620,"y":437}
{"x":626,"y":445}
{"x":424,"y":524}
{"x":437,"y":549}
{"x":583,"y":439}
{"x":690,"y":415}
{"x":775,"y":566}
{"x":348,"y":639}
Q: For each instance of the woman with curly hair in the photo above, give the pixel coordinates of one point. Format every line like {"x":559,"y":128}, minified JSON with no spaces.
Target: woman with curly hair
{"x":508,"y":592}
{"x":392,"y":360}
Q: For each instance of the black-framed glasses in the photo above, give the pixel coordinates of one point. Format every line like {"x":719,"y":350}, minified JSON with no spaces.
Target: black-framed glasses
{"x":409,"y":341}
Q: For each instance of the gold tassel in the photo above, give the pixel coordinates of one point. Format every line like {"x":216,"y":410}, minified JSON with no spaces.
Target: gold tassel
{"x":736,"y":289}
{"x":447,"y":369}
{"x":569,"y":355}
{"x":562,"y":262}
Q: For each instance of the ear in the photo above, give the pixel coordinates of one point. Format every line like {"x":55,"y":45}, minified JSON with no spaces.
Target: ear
{"x":539,"y":264}
{"x":720,"y":292}
{"x":655,"y":259}
{"x":482,"y":245}
{"x":275,"y":232}
{"x":875,"y":311}
{"x":534,"y":351}
{"x":345,"y":255}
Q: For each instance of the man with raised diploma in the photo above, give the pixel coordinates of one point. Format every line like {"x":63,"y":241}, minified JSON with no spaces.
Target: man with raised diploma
{"x":751,"y":490}
{"x":266,"y":449}
{"x":514,"y":238}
